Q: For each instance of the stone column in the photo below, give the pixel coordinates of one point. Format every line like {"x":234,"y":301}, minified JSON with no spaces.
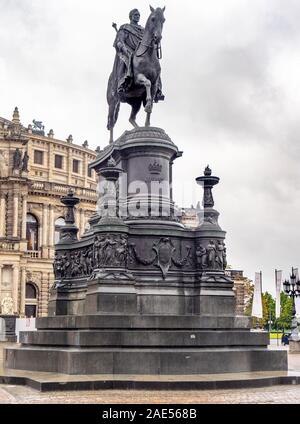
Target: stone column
{"x":45,"y":252}
{"x":50,"y":285}
{"x":85,"y":170}
{"x":15,"y":287}
{"x":82,"y":221}
{"x":24,"y":216}
{"x":45,"y":225}
{"x":43,"y":296}
{"x":77,"y":219}
{"x":15,"y":214}
{"x":50,"y":161}
{"x":23,"y":291}
{"x":2,"y":215}
{"x":70,"y":166}
{"x":51,"y":226}
{"x":1,"y":266}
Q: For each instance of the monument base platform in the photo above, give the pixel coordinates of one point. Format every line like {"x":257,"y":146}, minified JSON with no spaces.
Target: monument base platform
{"x":150,"y":361}
{"x":46,"y":382}
{"x":153,"y":345}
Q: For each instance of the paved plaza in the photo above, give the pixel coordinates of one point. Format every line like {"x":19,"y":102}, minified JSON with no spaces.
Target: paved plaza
{"x":268,"y":395}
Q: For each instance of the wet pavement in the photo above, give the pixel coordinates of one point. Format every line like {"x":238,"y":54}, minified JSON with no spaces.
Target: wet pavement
{"x":268,"y":395}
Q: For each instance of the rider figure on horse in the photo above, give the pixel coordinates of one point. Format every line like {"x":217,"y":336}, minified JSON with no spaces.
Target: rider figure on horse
{"x":128,"y":38}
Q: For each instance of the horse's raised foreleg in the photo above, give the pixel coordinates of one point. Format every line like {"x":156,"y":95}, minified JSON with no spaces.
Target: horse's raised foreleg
{"x":142,"y":80}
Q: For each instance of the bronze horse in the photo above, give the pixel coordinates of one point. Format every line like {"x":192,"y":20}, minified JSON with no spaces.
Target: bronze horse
{"x":146,"y":75}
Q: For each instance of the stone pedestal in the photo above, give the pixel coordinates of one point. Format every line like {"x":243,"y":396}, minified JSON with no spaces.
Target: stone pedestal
{"x":2,"y":330}
{"x":140,"y":293}
{"x":10,"y":327}
{"x":294,"y":346}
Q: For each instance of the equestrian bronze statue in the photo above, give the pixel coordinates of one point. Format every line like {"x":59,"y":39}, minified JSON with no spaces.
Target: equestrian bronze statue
{"x":135,"y":78}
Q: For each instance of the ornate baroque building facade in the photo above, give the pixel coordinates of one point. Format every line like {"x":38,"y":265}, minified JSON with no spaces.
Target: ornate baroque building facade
{"x":35,"y":171}
{"x":240,"y":288}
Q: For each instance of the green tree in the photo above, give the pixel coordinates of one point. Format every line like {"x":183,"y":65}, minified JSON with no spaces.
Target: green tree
{"x":249,"y":292}
{"x":268,"y":309}
{"x":269,"y":305}
{"x":286,"y":312}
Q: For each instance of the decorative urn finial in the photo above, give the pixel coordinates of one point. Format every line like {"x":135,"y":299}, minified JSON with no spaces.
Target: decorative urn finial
{"x":16,"y":116}
{"x":207,"y":181}
{"x":51,"y":134}
{"x":69,"y":232}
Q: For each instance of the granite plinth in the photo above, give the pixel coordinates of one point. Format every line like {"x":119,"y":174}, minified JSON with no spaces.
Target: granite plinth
{"x":144,"y":338}
{"x":145,"y":361}
{"x":159,"y":345}
{"x":156,"y":322}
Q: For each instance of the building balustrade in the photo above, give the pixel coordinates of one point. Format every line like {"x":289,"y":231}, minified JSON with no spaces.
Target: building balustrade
{"x":63,"y":189}
{"x":34,"y":254}
{"x":6,"y":245}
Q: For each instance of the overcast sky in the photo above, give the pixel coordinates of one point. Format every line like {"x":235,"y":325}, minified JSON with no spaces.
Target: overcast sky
{"x":231,"y":76}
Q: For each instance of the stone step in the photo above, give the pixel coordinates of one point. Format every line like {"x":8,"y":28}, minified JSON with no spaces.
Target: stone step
{"x":143,"y":321}
{"x":154,"y":361}
{"x":141,"y":338}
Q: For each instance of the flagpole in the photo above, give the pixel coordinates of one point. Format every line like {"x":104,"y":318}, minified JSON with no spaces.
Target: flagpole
{"x":257,"y":299}
{"x":275,"y":305}
{"x":262,"y":312}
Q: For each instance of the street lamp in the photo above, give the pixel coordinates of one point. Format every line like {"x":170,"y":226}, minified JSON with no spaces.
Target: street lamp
{"x":292,"y":289}
{"x":270,"y":322}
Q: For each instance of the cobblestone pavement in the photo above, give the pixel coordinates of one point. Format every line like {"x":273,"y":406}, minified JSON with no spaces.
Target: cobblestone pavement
{"x":267,"y":395}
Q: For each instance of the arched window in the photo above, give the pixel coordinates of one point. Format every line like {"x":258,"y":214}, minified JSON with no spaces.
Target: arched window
{"x":32,"y":232}
{"x":31,"y":300}
{"x":30,"y":291}
{"x":59,"y":223}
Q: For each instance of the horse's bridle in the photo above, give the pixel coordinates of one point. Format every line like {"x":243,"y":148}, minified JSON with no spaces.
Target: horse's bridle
{"x":149,"y":46}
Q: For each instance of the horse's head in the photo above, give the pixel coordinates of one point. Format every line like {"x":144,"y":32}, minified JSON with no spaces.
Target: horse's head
{"x":155,"y":24}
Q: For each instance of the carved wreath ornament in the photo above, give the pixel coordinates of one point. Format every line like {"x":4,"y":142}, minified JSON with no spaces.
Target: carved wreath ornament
{"x":163,"y":258}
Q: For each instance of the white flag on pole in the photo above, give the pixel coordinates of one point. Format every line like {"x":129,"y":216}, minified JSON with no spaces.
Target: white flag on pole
{"x":278,"y":281}
{"x":257,"y":297}
{"x":297,"y":300}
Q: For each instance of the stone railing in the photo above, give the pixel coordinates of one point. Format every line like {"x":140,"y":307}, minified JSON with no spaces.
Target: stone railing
{"x":38,"y":186}
{"x":34,"y":254}
{"x":63,"y":189}
{"x":7,"y":245}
